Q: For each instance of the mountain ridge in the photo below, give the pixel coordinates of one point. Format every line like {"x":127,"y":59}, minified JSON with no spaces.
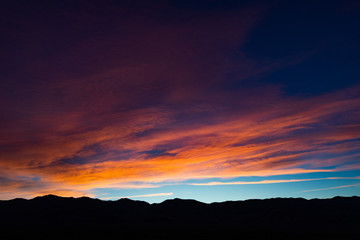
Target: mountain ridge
{"x":283,"y":218}
{"x":53,"y":196}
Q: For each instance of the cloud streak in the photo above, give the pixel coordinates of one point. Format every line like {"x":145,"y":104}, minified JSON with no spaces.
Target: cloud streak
{"x":323,"y":189}
{"x":276,"y":142}
{"x":270,"y":181}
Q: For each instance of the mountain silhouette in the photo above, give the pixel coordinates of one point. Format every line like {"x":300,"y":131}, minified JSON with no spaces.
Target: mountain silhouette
{"x":278,"y":218}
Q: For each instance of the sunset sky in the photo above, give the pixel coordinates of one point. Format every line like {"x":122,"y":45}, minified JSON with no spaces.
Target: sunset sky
{"x":206,"y":100}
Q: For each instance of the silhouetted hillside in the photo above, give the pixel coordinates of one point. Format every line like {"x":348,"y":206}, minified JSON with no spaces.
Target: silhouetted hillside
{"x":280,"y":218}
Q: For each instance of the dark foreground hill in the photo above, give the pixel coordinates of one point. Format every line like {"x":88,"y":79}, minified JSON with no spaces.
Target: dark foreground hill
{"x":280,"y":218}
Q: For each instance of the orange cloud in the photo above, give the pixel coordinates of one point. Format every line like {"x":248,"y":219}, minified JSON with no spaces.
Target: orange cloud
{"x":247,"y":146}
{"x":150,"y":150}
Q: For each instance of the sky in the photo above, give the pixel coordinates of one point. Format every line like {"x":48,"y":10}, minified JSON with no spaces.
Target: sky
{"x":206,"y":100}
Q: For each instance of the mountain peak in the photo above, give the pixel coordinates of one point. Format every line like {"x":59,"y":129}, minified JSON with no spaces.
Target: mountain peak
{"x":49,"y":196}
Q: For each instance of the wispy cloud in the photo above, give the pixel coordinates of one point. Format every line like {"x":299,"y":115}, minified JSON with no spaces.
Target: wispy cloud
{"x":322,"y":189}
{"x":270,"y":181}
{"x":230,"y":147}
